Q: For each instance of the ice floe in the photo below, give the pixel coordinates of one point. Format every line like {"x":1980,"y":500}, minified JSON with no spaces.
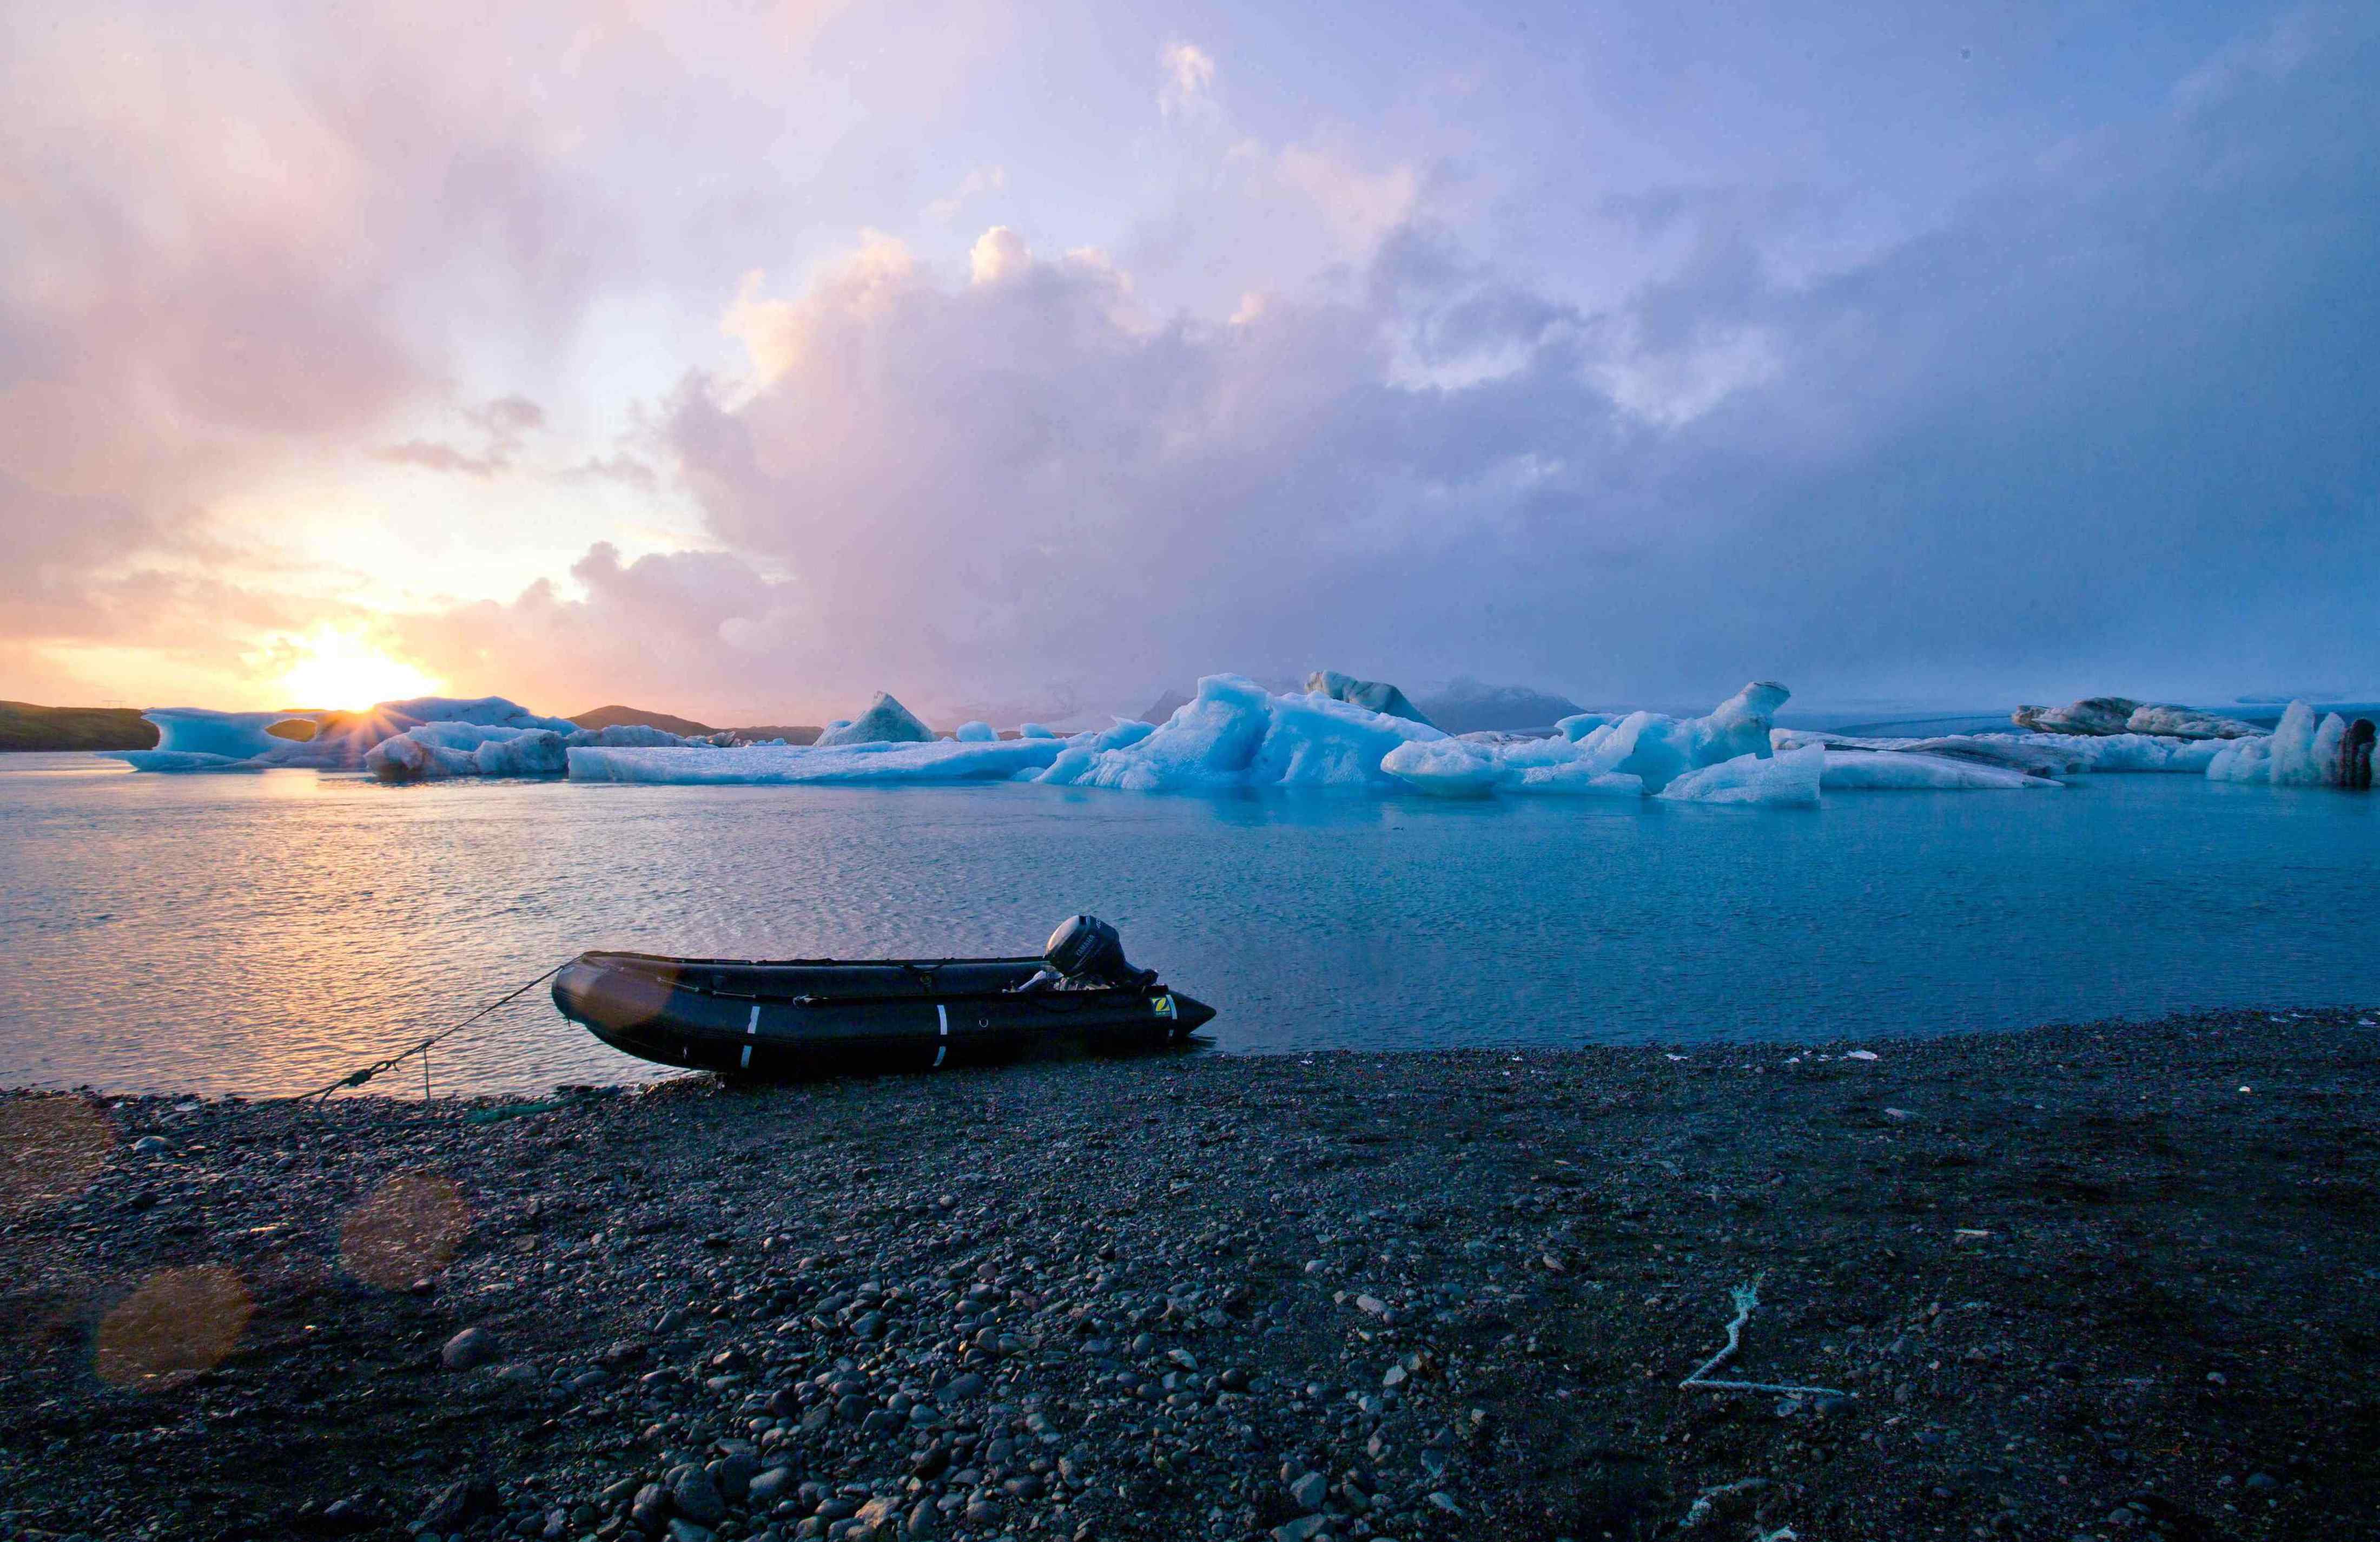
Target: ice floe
{"x":885,"y":721}
{"x":886,"y":763}
{"x":2301,"y":751}
{"x":1236,"y":733}
{"x":1789,"y":781}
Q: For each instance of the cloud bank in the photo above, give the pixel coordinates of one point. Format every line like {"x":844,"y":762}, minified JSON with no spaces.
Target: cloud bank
{"x":2100,"y":421}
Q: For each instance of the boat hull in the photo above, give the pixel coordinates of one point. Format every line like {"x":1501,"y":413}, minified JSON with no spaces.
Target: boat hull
{"x":799,"y":1019}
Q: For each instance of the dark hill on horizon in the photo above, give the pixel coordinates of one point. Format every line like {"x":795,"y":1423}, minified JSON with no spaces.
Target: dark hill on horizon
{"x":1467,"y":705}
{"x":613,"y":716}
{"x":24,"y":727}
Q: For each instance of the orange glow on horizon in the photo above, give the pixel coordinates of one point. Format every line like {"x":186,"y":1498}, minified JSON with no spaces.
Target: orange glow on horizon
{"x":336,"y":669}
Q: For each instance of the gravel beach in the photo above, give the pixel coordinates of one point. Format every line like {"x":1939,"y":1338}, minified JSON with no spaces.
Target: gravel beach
{"x":2104,"y":1280}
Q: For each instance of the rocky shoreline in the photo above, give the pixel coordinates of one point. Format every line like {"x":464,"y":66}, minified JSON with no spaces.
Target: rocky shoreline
{"x":2080,"y":1282}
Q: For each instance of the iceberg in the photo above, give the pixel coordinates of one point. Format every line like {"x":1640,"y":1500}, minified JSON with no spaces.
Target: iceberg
{"x":1789,"y":781}
{"x":223,"y":736}
{"x":977,"y":733}
{"x":427,"y":738}
{"x":2301,"y":751}
{"x":885,"y":763}
{"x":1034,"y":731}
{"x":1445,"y":768}
{"x":885,"y":721}
{"x":1877,"y":770}
{"x":439,"y":751}
{"x":1578,"y":725}
{"x":1373,"y":696}
{"x":1236,"y":733}
{"x":2108,"y":715}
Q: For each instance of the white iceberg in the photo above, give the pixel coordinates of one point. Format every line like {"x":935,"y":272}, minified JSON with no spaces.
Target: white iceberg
{"x":934,"y":760}
{"x":1879,"y":771}
{"x":2301,"y":751}
{"x":1445,"y":768}
{"x":339,"y":741}
{"x":1236,"y":733}
{"x":885,"y":721}
{"x":1789,"y":781}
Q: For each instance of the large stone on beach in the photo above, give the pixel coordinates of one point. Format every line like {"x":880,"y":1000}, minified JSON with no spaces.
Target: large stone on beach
{"x":885,"y":721}
{"x":1376,"y":696}
{"x":473,"y":1346}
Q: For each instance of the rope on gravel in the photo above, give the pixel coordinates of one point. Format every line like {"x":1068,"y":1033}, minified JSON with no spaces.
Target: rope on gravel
{"x":1700,"y":1510}
{"x":358,"y":1078}
{"x":1746,"y":1297}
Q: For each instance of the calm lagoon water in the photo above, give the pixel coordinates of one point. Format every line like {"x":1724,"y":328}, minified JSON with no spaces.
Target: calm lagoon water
{"x":262,"y":934}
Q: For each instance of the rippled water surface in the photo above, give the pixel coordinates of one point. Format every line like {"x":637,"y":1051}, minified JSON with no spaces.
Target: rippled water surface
{"x":262,"y":934}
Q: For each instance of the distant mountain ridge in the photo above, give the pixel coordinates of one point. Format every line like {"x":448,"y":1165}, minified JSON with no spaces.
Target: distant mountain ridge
{"x":24,"y":727}
{"x":615,"y":716}
{"x":1467,"y":705}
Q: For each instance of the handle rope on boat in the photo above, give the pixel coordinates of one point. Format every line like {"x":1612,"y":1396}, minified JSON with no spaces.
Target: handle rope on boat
{"x":358,"y":1078}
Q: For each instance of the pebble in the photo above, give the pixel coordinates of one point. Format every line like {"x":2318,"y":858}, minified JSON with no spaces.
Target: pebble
{"x":946,"y":1340}
{"x":473,"y":1346}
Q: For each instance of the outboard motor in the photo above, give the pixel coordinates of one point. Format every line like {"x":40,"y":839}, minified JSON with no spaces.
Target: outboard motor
{"x":1088,"y":955}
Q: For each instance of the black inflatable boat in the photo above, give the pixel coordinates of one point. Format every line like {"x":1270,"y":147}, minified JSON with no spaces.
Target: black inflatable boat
{"x":819,"y":1016}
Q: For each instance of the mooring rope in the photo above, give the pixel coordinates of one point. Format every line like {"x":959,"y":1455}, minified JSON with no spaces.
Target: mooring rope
{"x":1746,"y":1297}
{"x":358,"y":1078}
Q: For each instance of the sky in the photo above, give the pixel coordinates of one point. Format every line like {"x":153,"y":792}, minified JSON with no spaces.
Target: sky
{"x":741,"y":360}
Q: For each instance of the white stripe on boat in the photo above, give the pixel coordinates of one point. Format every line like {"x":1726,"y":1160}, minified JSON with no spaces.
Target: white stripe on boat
{"x":753,"y":1027}
{"x":748,"y":1057}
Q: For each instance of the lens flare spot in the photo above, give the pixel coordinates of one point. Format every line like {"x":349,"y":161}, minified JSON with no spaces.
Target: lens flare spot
{"x":52,"y":1146}
{"x":409,"y":1228}
{"x":179,"y":1322}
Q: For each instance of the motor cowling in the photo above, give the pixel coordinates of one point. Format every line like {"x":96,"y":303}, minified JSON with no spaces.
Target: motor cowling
{"x":1086,"y":950}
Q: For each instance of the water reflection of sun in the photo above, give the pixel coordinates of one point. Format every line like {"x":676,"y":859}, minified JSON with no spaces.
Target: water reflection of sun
{"x":338,"y":668}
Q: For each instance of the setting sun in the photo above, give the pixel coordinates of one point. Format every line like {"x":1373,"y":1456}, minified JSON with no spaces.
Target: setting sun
{"x":336,"y":669}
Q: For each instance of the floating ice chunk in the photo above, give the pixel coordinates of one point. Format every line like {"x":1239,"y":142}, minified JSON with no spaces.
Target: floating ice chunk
{"x":1738,"y":725}
{"x":2122,"y":752}
{"x":1235,"y":734}
{"x":1081,"y":751}
{"x":2186,"y":722}
{"x":978,"y":732}
{"x":178,"y":760}
{"x":2301,"y":751}
{"x":438,"y":751}
{"x":934,"y":760}
{"x":885,"y":721}
{"x":1578,"y":725}
{"x":1034,"y":731}
{"x":1577,"y":779}
{"x":1787,"y":781}
{"x":630,"y":735}
{"x":224,"y":737}
{"x":1872,"y":770}
{"x":340,"y":741}
{"x":1373,"y":696}
{"x":2035,"y":755}
{"x":1444,"y":767}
